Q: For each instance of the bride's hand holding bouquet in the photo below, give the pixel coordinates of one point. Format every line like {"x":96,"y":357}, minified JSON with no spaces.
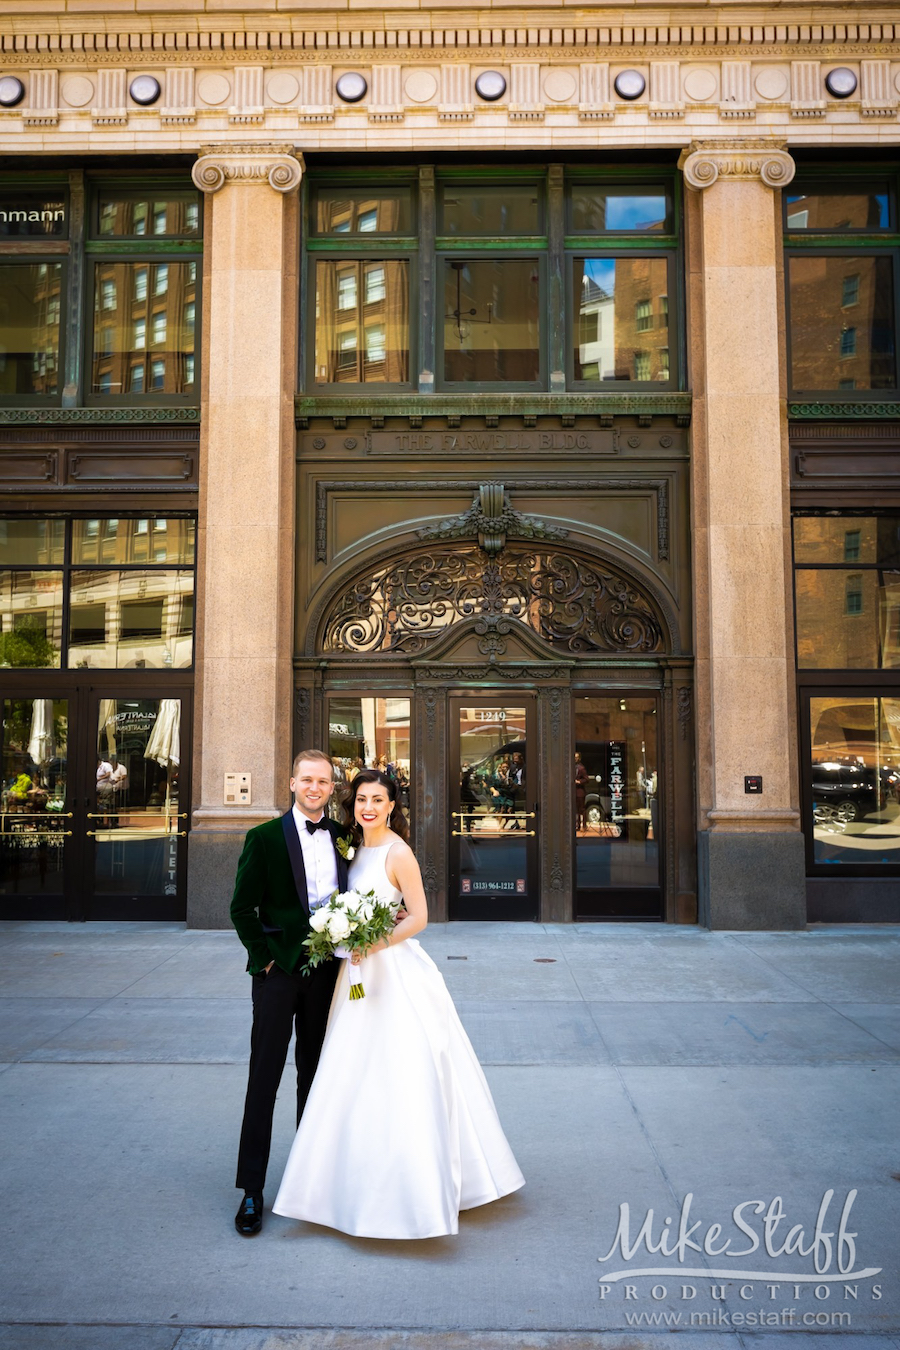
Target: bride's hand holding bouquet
{"x":347,"y":925}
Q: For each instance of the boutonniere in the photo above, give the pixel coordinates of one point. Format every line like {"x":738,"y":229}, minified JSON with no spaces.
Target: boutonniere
{"x":345,"y":848}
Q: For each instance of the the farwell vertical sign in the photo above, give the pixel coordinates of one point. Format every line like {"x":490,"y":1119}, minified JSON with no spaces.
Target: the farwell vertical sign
{"x":30,"y":214}
{"x":616,"y":780}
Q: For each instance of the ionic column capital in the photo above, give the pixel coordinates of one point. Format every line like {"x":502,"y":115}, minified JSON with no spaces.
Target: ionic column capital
{"x":706,"y":161}
{"x":248,"y":164}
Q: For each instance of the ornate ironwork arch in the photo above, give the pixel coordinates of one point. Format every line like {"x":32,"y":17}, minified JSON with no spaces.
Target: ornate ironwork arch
{"x":577,"y":605}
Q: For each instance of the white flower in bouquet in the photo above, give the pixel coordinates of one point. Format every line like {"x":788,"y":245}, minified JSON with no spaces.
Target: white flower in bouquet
{"x":348,"y":921}
{"x":338,"y":925}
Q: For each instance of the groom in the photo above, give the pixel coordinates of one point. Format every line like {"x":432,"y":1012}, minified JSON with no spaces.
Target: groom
{"x":287,"y":865}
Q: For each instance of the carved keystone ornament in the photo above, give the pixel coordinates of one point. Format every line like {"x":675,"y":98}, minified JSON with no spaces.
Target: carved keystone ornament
{"x":492,"y":517}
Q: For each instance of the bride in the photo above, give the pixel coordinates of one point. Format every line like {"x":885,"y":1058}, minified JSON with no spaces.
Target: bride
{"x":400,"y":1131}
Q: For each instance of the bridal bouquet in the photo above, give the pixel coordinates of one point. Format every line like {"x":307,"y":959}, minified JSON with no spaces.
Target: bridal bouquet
{"x":347,"y":922}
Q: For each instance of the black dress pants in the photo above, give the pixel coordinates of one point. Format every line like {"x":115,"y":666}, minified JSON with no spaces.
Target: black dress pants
{"x":281,"y":1004}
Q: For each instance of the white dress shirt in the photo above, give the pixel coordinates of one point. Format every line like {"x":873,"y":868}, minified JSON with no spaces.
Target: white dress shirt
{"x":319,"y":859}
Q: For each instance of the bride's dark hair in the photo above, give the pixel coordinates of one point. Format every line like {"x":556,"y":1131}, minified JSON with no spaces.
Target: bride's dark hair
{"x":397,"y":820}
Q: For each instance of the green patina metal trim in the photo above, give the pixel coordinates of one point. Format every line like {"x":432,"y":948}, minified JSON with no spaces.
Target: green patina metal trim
{"x":134,"y":248}
{"x":494,"y":405}
{"x":71,"y":416}
{"x":620,"y":243}
{"x":857,"y":411}
{"x":475,"y":243}
{"x":364,"y":245}
{"x":846,"y":242}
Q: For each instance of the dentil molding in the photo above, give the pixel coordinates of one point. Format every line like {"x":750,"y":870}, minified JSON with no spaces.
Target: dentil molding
{"x":248,"y":165}
{"x":704,"y":162}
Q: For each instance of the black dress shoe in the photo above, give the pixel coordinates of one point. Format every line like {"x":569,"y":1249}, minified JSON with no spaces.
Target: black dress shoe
{"x":248,"y":1220}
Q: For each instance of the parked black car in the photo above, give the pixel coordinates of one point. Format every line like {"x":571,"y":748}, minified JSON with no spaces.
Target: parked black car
{"x":843,"y":793}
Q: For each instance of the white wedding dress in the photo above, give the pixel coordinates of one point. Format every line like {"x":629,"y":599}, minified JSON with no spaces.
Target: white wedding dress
{"x":400,"y":1131}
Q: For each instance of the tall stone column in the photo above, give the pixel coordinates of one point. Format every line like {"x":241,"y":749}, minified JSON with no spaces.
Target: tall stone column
{"x":751,"y":853}
{"x":245,"y":539}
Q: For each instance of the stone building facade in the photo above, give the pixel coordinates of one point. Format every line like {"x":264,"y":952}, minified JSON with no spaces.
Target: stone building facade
{"x":506,"y":394}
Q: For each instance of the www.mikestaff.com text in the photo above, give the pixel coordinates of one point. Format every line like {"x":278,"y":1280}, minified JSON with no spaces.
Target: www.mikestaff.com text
{"x":720,"y":1317}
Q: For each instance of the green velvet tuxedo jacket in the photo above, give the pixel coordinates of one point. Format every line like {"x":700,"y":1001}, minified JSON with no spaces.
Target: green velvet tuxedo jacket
{"x":270,"y":908}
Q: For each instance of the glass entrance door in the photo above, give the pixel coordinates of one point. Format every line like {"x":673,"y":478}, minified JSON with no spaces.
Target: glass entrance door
{"x":137,"y":816}
{"x":36,"y":817}
{"x":493,"y":813}
{"x":93,"y":805}
{"x":618,"y":821}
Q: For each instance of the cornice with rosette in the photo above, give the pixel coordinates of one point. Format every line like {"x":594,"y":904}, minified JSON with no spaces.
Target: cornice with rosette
{"x":704,"y":162}
{"x":249,"y":165}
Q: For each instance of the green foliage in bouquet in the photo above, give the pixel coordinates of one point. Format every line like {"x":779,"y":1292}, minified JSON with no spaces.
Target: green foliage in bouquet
{"x":349,"y":919}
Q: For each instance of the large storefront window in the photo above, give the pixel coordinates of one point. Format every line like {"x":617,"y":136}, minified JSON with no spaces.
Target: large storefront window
{"x":847,"y":587}
{"x":842,"y":284}
{"x":96,"y":651}
{"x":463,"y":268}
{"x":855,"y":780}
{"x":130,"y":609}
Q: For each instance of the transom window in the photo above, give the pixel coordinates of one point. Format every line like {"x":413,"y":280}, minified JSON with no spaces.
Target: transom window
{"x":445,"y":280}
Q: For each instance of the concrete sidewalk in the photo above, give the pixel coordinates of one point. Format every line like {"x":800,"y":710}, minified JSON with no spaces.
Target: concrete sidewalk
{"x":629,"y":1063}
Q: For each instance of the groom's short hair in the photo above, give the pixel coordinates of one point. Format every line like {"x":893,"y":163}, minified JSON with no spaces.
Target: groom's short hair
{"x":310,"y":754}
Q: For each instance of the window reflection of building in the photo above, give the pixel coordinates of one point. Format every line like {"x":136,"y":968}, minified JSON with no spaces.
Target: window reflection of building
{"x":145,"y":311}
{"x":119,"y":616}
{"x":848,"y":619}
{"x":144,"y":334}
{"x":30,"y":306}
{"x":841,"y":303}
{"x":623,"y":319}
{"x":362,"y":321}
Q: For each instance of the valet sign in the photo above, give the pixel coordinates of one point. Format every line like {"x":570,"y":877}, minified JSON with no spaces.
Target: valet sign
{"x":813,"y":1261}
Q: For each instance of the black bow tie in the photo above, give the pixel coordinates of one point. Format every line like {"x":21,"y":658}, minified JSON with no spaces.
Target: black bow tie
{"x":313,"y":825}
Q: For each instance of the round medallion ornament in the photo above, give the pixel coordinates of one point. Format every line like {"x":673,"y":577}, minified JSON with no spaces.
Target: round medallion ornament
{"x":282,"y":87}
{"x":560,"y":86}
{"x":700,"y":85}
{"x":630,"y":84}
{"x":213,"y":89}
{"x":76,"y":90}
{"x":351,"y":87}
{"x":841,"y":82}
{"x":490,"y":86}
{"x":145,"y":89}
{"x":12,"y":91}
{"x":420,"y":86}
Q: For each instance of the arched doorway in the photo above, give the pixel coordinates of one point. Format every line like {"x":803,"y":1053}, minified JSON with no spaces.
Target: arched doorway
{"x":476,"y":669}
